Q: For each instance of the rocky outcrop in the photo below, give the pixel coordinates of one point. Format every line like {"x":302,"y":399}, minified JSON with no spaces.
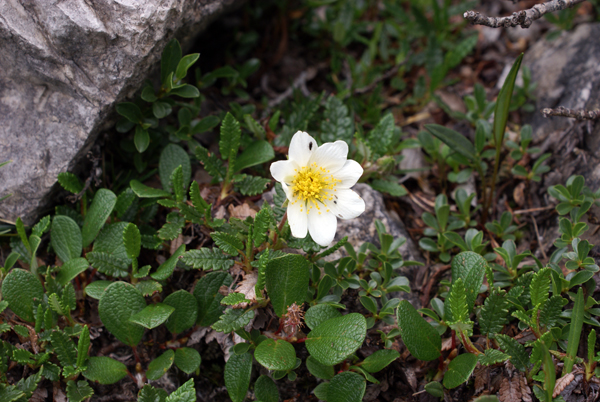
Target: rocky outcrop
{"x":63,"y":66}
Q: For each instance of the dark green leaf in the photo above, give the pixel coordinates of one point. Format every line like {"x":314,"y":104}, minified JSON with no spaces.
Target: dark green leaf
{"x":346,"y":387}
{"x":503,"y":102}
{"x":459,"y":370}
{"x":101,"y":208}
{"x":159,"y":366}
{"x":238,"y":371}
{"x":333,"y":340}
{"x":265,"y":389}
{"x":70,"y":182}
{"x":169,"y":61}
{"x":170,"y":158}
{"x":287,"y":279}
{"x":276,"y":355}
{"x":141,"y":139}
{"x":184,"y":64}
{"x":20,"y":289}
{"x":131,"y":112}
{"x":207,"y":258}
{"x":233,"y":319}
{"x":379,"y":360}
{"x":144,"y":191}
{"x":117,"y":304}
{"x":208,"y":297}
{"x":186,"y":311}
{"x":421,"y":339}
{"x":79,"y":391}
{"x":152,"y":315}
{"x":187,"y":359}
{"x":455,"y":140}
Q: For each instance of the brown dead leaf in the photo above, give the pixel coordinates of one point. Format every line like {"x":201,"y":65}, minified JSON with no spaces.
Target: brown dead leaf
{"x":411,"y":377}
{"x":220,"y":213}
{"x":241,"y":211}
{"x":510,"y":390}
{"x":525,"y":390}
{"x":446,"y":344}
{"x":39,"y":395}
{"x":482,"y":378}
{"x":175,"y":244}
{"x":519,"y":194}
{"x":247,"y":288}
{"x":561,"y":383}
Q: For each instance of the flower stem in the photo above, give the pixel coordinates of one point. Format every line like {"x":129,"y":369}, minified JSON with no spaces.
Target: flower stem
{"x":280,"y":228}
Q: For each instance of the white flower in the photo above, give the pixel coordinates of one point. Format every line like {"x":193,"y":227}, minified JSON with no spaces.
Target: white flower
{"x":317,"y":182}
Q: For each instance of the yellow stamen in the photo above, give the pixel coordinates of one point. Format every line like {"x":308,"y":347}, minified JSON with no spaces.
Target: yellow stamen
{"x":312,"y":185}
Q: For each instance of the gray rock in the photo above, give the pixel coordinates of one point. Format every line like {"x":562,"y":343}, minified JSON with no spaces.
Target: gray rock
{"x":64,"y":65}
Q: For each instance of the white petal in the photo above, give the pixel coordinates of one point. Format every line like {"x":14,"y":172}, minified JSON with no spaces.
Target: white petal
{"x":302,"y":147}
{"x":322,"y":227}
{"x":297,"y":220}
{"x":348,"y":174}
{"x":346,"y":204}
{"x":331,"y":156}
{"x":283,"y":171}
{"x":288,"y":191}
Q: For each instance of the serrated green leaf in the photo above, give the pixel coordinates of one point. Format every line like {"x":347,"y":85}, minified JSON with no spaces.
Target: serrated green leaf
{"x":23,"y":356}
{"x":346,"y":387}
{"x":518,"y":355}
{"x":50,"y":371}
{"x":238,"y":371}
{"x":117,"y":304}
{"x":20,"y":289}
{"x":11,"y":394}
{"x":212,"y":164}
{"x":470,"y":267}
{"x":458,"y":302}
{"x":227,"y":242}
{"x":540,"y":286}
{"x":152,"y":315}
{"x":252,"y":185}
{"x":493,"y":313}
{"x":79,"y":391}
{"x":166,"y":268}
{"x":173,"y":227}
{"x":187,"y":359}
{"x":148,"y":288}
{"x":421,"y":339}
{"x":185,"y":393}
{"x":276,"y":355}
{"x":82,"y":346}
{"x":70,"y":182}
{"x":143,"y":191}
{"x":333,"y":340}
{"x":233,"y":319}
{"x":262,"y":222}
{"x":459,"y":370}
{"x":287,"y":279}
{"x":101,"y":208}
{"x":207,"y":258}
{"x":56,"y":305}
{"x":234,"y":298}
{"x":159,"y":366}
{"x":315,"y":315}
{"x":266,"y":390}
{"x":392,"y":188}
{"x":319,"y":370}
{"x":130,"y":111}
{"x":186,"y":311}
{"x":64,"y":348}
{"x":177,"y":184}
{"x":169,"y":61}
{"x":208,"y":297}
{"x":492,"y":356}
{"x":150,"y":394}
{"x":379,"y":360}
{"x":337,"y":123}
{"x":550,"y":312}
{"x":258,"y":152}
{"x":380,"y":138}
{"x":71,"y":269}
{"x":108,"y":264}
{"x":132,"y":239}
{"x":170,"y":158}
{"x":229,"y":141}
{"x":104,"y":370}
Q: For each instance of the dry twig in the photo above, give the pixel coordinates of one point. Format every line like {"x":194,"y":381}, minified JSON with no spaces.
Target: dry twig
{"x":523,"y":18}
{"x":579,"y":114}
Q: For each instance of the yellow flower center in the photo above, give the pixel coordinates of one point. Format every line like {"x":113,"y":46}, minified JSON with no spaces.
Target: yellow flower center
{"x":312,"y":185}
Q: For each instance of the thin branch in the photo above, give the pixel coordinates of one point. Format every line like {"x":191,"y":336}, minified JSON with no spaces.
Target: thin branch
{"x":579,"y":114}
{"x":524,"y":18}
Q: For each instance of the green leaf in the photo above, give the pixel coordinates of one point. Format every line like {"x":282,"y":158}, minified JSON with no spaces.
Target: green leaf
{"x":276,"y":355}
{"x":82,"y":346}
{"x":238,"y":371}
{"x":144,"y":191}
{"x":11,"y":394}
{"x":185,"y":393}
{"x":170,"y":158}
{"x":131,"y":112}
{"x":540,"y":286}
{"x":148,"y":288}
{"x":319,"y":370}
{"x":132,"y":239}
{"x":379,"y":360}
{"x":64,"y":348}
{"x":79,"y":391}
{"x":392,"y":188}
{"x":173,"y":227}
{"x":234,"y":298}
{"x":96,"y":289}
{"x":421,"y":339}
{"x":148,"y":94}
{"x":151,"y":394}
{"x":458,"y":302}
{"x":117,"y":304}
{"x":166,"y":268}
{"x":503,"y":102}
{"x":20,"y":288}
{"x":459,"y":370}
{"x":262,"y":222}
{"x":346,"y":387}
{"x":161,"y":109}
{"x":337,"y":123}
{"x":159,"y":366}
{"x":233,"y":319}
{"x":70,"y":182}
{"x":574,"y":331}
{"x":381,"y":137}
{"x":207,"y":123}
{"x":333,"y":340}
{"x":104,"y":370}
{"x":287,"y":279}
{"x":186,"y":311}
{"x":252,"y":185}
{"x":434,"y":388}
{"x":550,"y":312}
{"x":518,"y":355}
{"x":470,"y":267}
{"x":23,"y":356}
{"x":455,"y":140}
{"x":493,"y":313}
{"x":101,"y":208}
{"x":187,"y":359}
{"x":169,"y":61}
{"x":266,"y":390}
{"x":208,"y":297}
{"x":212,"y":164}
{"x":152,"y":315}
{"x":141,"y":139}
{"x":256,"y":153}
{"x":71,"y":269}
{"x":320,"y":391}
{"x":186,"y":91}
{"x":492,"y":356}
{"x":227,"y":242}
{"x":207,"y":258}
{"x":109,"y":264}
{"x":184,"y":65}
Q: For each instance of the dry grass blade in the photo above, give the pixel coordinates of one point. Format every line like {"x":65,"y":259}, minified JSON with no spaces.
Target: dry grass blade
{"x":561,"y":383}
